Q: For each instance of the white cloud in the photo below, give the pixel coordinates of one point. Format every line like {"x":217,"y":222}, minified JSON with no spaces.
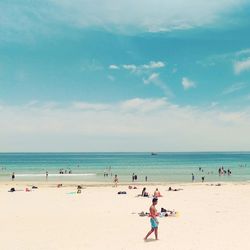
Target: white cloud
{"x":145,"y":67}
{"x":113,"y":66}
{"x":235,"y":87}
{"x":241,"y":66}
{"x":131,"y":67}
{"x":187,"y":83}
{"x":154,"y":65}
{"x":132,"y":125}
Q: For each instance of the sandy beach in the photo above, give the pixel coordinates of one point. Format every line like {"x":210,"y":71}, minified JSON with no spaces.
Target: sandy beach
{"x":210,"y":217}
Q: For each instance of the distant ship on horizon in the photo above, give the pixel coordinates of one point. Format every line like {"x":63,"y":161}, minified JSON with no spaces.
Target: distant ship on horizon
{"x":153,"y":153}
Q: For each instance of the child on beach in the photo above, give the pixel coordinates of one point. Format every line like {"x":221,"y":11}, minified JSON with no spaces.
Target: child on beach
{"x":116,"y":180}
{"x":153,"y":220}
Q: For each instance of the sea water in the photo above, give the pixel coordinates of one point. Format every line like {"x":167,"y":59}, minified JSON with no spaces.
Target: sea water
{"x":160,"y":167}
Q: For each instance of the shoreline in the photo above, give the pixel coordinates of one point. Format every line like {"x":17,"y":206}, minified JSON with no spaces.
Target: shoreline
{"x":111,"y":184}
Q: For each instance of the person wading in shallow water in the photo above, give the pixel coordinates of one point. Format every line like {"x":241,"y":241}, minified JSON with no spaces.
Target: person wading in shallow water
{"x":153,"y":220}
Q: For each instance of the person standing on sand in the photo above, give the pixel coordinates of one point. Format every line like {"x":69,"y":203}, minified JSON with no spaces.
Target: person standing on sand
{"x":192,"y":177}
{"x":47,"y":174}
{"x":116,"y":180}
{"x":13,"y":176}
{"x":153,"y":220}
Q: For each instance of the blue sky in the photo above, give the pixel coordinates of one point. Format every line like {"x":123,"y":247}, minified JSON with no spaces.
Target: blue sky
{"x":124,"y":76}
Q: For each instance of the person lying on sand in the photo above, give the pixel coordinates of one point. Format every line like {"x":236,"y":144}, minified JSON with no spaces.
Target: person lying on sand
{"x":174,"y":189}
{"x":166,"y":213}
{"x":142,"y":214}
{"x":122,"y":192}
{"x":12,"y":190}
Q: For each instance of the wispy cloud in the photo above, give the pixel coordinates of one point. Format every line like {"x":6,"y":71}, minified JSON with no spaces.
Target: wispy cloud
{"x":30,"y":18}
{"x":90,"y":106}
{"x":226,"y":58}
{"x":214,"y":104}
{"x":187,"y":83}
{"x":144,"y":105}
{"x":92,"y":65}
{"x":111,"y":78}
{"x":241,"y":66}
{"x":235,"y":87}
{"x":154,"y":79}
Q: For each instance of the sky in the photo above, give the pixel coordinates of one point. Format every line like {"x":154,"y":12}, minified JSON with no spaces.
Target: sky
{"x":122,"y":75}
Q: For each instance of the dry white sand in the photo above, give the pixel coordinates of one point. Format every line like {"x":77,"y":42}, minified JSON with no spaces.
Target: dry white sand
{"x":211,"y":217}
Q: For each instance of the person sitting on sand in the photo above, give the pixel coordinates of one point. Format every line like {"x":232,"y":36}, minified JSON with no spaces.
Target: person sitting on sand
{"x":153,"y":220}
{"x":79,"y":189}
{"x":157,"y":193}
{"x":144,"y":193}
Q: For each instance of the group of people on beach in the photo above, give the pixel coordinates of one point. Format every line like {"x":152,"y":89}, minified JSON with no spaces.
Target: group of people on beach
{"x":223,"y":171}
{"x":107,"y":172}
{"x":156,"y":193}
{"x":62,"y":171}
{"x":202,"y":178}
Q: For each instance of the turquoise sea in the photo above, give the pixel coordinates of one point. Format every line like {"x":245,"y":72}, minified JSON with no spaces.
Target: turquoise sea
{"x":161,"y":167}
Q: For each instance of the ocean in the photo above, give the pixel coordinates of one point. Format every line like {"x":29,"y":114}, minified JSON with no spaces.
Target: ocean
{"x":160,"y":167}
